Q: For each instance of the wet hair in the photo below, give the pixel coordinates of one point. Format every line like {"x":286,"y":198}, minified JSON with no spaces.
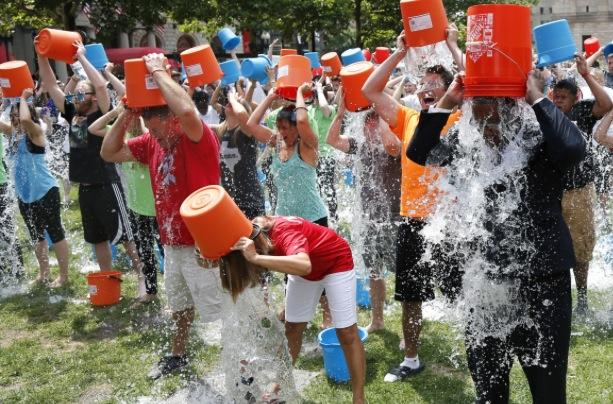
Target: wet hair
{"x":33,"y":113}
{"x":238,"y":274}
{"x":287,"y":114}
{"x":441,"y":71}
{"x":201,"y":98}
{"x":161,"y":111}
{"x":567,"y":84}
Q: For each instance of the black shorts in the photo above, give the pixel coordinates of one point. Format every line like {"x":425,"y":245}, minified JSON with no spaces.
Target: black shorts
{"x":44,"y":214}
{"x":104,"y":214}
{"x":413,"y":277}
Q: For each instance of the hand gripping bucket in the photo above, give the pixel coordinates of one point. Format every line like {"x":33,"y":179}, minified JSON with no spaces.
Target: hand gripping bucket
{"x":352,"y":55}
{"x":231,"y":72}
{"x":381,"y":54}
{"x":353,"y":77}
{"x":591,"y":46}
{"x":57,"y":44}
{"x":554,"y":43}
{"x":201,"y":66}
{"x":424,"y":22}
{"x":334,"y":357}
{"x":214,"y":221}
{"x":293,"y":71}
{"x":14,"y":78}
{"x":104,"y":287}
{"x":314,"y":59}
{"x":228,"y":39}
{"x":331,"y":64}
{"x":285,"y":52}
{"x":363,"y":293}
{"x":141,"y":89}
{"x":498,"y":50}
{"x":255,"y":69}
{"x":96,"y":55}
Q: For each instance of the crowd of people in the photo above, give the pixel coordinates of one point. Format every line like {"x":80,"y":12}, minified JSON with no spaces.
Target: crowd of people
{"x":135,"y":167}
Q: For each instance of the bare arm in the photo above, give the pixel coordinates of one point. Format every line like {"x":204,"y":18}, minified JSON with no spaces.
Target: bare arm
{"x":216,"y":106}
{"x":374,"y":88}
{"x":322,"y":100}
{"x":119,"y":87}
{"x":72,"y":84}
{"x":50,"y":83}
{"x":603,"y":102}
{"x":177,"y":99}
{"x":35,"y":132}
{"x":601,"y":135}
{"x":307,"y":135}
{"x":334,"y":137}
{"x":6,"y":128}
{"x":250,"y":91}
{"x":241,"y":113}
{"x":298,"y":264}
{"x":253,"y":127}
{"x":114,"y":149}
{"x":100,"y":126}
{"x":452,"y":44}
{"x":592,"y":59}
{"x":271,"y":48}
{"x":102,"y":95}
{"x":390,"y":141}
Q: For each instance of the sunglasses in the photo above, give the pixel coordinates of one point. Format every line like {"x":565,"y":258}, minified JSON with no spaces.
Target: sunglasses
{"x":77,"y":97}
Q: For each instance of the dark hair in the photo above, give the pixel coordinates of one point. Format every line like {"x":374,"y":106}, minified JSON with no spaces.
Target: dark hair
{"x":201,"y":98}
{"x":567,"y":84}
{"x":161,"y":111}
{"x":441,"y":71}
{"x":33,"y":113}
{"x":287,"y":114}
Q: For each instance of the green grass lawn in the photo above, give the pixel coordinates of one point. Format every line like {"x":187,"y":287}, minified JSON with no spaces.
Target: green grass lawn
{"x":55,"y":347}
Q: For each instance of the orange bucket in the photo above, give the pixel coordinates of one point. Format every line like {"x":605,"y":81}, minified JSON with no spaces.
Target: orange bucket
{"x":14,"y":78}
{"x":591,"y":46}
{"x":498,"y":50}
{"x":57,"y":44}
{"x":141,"y":89}
{"x":332,"y":64}
{"x":293,"y":71}
{"x":285,"y":52}
{"x":104,"y":287}
{"x":424,"y":22}
{"x":201,"y":66}
{"x":214,"y":221}
{"x":353,"y":77}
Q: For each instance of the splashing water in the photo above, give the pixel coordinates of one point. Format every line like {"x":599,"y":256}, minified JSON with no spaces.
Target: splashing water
{"x":417,"y":60}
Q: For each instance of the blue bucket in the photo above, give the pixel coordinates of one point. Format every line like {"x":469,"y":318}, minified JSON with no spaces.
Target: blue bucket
{"x":314,"y":58}
{"x":608,"y":50}
{"x":96,"y":55}
{"x":228,"y":40}
{"x":352,"y":55}
{"x":363,"y":293}
{"x":334,"y":357}
{"x":261,"y":55}
{"x":231,"y":72}
{"x":348,"y":177}
{"x":554,"y":43}
{"x":160,"y":258}
{"x":183,"y":73}
{"x":255,"y":69}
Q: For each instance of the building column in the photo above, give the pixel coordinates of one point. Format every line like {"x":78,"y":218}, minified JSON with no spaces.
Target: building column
{"x":124,"y":40}
{"x":150,"y":38}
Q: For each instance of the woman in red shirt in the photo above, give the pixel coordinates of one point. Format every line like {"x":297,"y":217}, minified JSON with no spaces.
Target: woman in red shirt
{"x":314,"y":258}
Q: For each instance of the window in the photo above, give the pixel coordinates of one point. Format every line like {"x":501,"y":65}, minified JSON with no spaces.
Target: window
{"x":542,"y":10}
{"x":587,"y":9}
{"x":550,"y":10}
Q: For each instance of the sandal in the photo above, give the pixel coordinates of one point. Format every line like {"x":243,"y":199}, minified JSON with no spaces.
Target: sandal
{"x":402,"y":373}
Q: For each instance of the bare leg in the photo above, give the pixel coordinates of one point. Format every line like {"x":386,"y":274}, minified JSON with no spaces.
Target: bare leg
{"x":356,"y":362}
{"x":103,"y":255}
{"x":183,"y":321}
{"x":41,"y":249}
{"x":411,"y":327}
{"x":581,"y":270}
{"x":293,"y":333}
{"x":377,"y":299}
{"x":66,"y":185}
{"x":132,"y":252}
{"x":62,"y":252}
{"x":327,"y":317}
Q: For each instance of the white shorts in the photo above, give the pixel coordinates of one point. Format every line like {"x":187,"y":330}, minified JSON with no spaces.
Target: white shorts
{"x":188,"y":285}
{"x":302,"y":297}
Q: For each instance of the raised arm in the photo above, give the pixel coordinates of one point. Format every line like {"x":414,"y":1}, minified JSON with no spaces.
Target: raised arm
{"x":95,"y":77}
{"x":241,"y":113}
{"x":297,"y":264}
{"x":307,"y":135}
{"x":374,"y":88}
{"x":100,"y":126}
{"x":592,"y":59}
{"x":601,"y":134}
{"x":119,"y":87}
{"x":50,"y":83}
{"x":215,"y":98}
{"x":177,"y":99}
{"x":322,"y":100}
{"x":114,"y":149}
{"x":35,"y":132}
{"x":452,"y":44}
{"x":334,"y":137}
{"x":253,"y":127}
{"x":603,"y":102}
{"x":391,"y":143}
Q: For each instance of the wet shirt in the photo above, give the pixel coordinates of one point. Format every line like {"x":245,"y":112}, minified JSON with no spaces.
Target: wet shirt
{"x":320,"y":124}
{"x":85,"y":165}
{"x":176,"y":173}
{"x":378,"y":177}
{"x":329,"y":253}
{"x":239,"y":172}
{"x":584,"y":172}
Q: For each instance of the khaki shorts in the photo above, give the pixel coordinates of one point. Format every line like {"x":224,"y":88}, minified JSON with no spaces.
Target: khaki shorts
{"x":578,"y":212}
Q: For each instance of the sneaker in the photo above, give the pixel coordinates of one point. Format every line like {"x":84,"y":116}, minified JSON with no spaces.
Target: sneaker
{"x":402,"y":373}
{"x":167,"y":365}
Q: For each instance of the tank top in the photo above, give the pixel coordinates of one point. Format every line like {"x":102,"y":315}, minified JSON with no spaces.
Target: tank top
{"x":297,"y":190}
{"x":238,"y":157}
{"x":29,"y":170}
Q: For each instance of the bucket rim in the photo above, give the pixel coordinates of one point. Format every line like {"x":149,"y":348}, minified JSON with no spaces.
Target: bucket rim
{"x":362,"y":333}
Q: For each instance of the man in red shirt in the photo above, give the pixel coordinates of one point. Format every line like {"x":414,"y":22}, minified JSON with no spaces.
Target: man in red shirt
{"x":183,"y":156}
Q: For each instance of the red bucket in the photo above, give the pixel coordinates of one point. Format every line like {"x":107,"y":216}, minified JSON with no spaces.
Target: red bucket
{"x":353,"y":77}
{"x":498,"y":50}
{"x":104,"y":287}
{"x":591,"y":46}
{"x":14,"y":78}
{"x":293,"y":71}
{"x":424,"y":22}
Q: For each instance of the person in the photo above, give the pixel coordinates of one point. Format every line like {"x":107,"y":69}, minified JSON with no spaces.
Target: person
{"x":183,"y":156}
{"x":37,"y":190}
{"x":414,"y":279}
{"x":104,"y":217}
{"x":314,"y":258}
{"x":607,"y":53}
{"x":580,"y":194}
{"x":603,"y":133}
{"x":539,"y":273}
{"x":378,"y":178}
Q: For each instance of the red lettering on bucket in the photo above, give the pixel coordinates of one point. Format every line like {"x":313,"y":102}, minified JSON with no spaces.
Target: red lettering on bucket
{"x":480,"y":38}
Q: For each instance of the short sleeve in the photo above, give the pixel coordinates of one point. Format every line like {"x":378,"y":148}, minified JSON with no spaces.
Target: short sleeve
{"x":289,"y":240}
{"x":402,"y":115}
{"x":139,"y":147}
